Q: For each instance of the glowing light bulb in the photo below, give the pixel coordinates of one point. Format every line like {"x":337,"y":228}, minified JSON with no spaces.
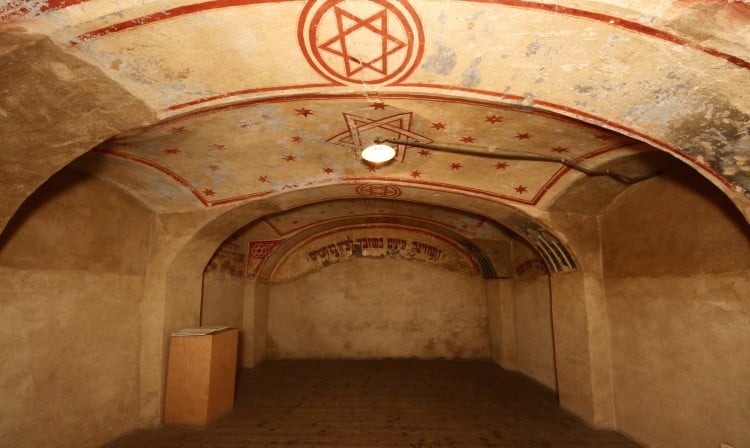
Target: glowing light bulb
{"x":378,"y":153}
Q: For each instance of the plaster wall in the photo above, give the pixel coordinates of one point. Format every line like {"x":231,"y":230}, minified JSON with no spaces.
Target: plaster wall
{"x":677,"y":273}
{"x":223,"y":298}
{"x":72,"y":266}
{"x":377,"y":308}
{"x":535,"y":351}
{"x":501,"y":322}
{"x":224,"y":285}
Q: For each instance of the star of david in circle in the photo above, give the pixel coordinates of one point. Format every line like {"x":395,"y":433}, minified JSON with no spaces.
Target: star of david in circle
{"x":261,"y":249}
{"x":362,"y":131}
{"x":361,"y":41}
{"x":378,"y":190}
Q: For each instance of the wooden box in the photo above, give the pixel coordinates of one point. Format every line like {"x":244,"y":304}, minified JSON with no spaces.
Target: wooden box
{"x":200,"y":376}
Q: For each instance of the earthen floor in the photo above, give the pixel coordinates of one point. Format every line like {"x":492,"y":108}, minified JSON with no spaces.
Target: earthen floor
{"x":389,"y":403}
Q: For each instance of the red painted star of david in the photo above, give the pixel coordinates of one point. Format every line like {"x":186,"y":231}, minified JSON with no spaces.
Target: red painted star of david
{"x":362,"y":131}
{"x":351,"y":42}
{"x":361,"y":41}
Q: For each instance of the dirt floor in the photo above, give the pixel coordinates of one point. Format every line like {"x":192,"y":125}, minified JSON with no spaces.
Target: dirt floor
{"x":385,"y":403}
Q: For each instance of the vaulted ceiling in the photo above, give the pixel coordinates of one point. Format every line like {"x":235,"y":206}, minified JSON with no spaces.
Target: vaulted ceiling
{"x":255,"y":98}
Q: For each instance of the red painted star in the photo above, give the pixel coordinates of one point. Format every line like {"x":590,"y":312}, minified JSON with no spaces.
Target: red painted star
{"x":439,"y":125}
{"x":372,"y":169}
{"x":456,"y":166}
{"x":379,"y":105}
{"x":468,"y":139}
{"x":304,"y":112}
{"x":521,"y":189}
{"x":328,"y":170}
{"x":217,"y":147}
{"x":424,"y":153}
{"x":172,"y":151}
{"x":493,"y":119}
{"x":603,"y":137}
{"x":263,"y":179}
{"x":501,"y":165}
{"x":290,"y":158}
{"x":559,"y":149}
{"x":297,"y":139}
{"x":415,"y":174}
{"x":523,"y":136}
{"x":208,"y":192}
{"x":178,"y":130}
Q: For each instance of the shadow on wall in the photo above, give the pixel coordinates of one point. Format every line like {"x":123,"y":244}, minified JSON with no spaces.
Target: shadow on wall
{"x":677,"y":276}
{"x":58,"y":186}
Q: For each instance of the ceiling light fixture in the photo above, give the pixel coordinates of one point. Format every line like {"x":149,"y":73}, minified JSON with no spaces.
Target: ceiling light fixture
{"x":380,"y":153}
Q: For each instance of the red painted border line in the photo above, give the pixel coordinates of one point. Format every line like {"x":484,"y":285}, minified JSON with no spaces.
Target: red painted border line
{"x":243,"y":197}
{"x":10,"y":12}
{"x":352,"y":227}
{"x":181,"y":180}
{"x":565,"y":169}
{"x":522,"y":4}
{"x":621,"y":23}
{"x":168,"y":14}
{"x":150,"y":163}
{"x":248,"y":92}
{"x":362,"y":215}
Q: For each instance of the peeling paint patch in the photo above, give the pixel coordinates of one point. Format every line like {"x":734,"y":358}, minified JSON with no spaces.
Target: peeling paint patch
{"x":528,"y":99}
{"x":717,"y":134}
{"x":442,"y":18}
{"x":472,"y":77}
{"x":533,"y":48}
{"x":441,"y":62}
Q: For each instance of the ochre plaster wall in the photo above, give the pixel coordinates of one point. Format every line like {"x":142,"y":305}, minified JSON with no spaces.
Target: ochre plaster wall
{"x":223,"y":298}
{"x":374,"y":308}
{"x":677,"y":276}
{"x":72,"y":265}
{"x":224,"y":286}
{"x":535,"y":351}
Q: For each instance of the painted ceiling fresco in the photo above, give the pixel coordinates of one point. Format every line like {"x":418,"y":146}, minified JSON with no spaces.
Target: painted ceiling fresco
{"x":260,"y":97}
{"x":255,"y":149}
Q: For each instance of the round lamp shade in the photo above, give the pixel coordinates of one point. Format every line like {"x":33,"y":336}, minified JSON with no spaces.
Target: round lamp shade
{"x":378,"y":153}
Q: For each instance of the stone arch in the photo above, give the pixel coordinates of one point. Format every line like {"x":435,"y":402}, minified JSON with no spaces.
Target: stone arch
{"x":173,"y":294}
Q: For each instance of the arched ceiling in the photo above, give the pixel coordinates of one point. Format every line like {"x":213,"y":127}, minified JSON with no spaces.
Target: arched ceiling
{"x":256,"y":98}
{"x":255,"y":149}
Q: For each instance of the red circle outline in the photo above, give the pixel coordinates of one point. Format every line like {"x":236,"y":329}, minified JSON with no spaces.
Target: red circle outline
{"x":366,"y":190}
{"x":415,"y":41}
